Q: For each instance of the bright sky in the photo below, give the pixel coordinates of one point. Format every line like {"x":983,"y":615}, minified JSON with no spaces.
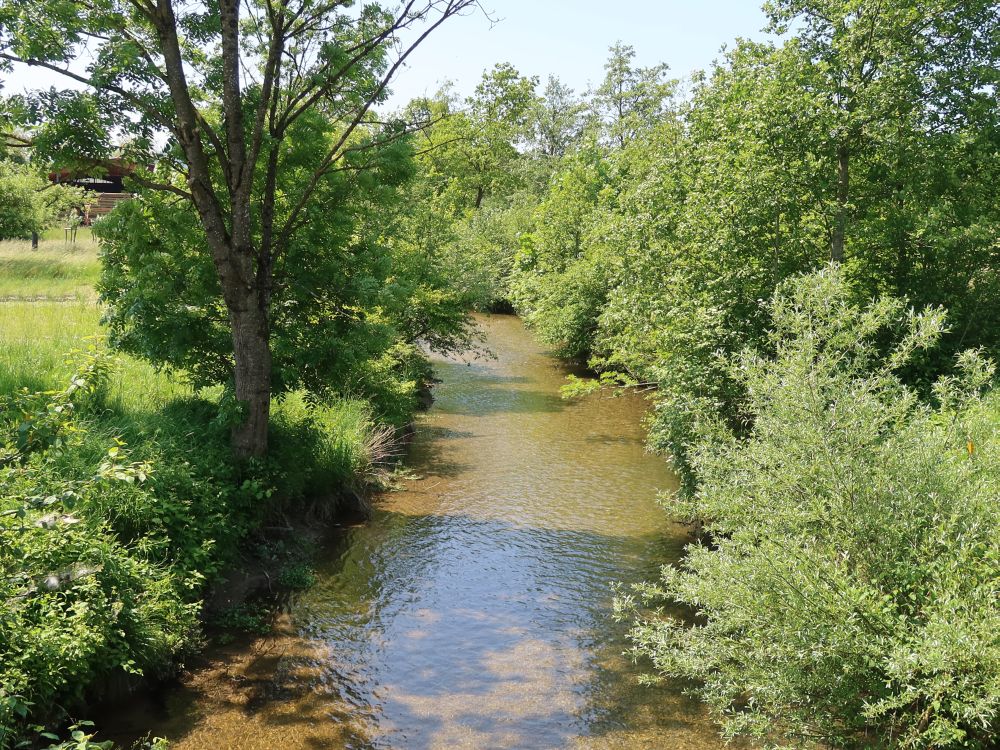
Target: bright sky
{"x":567,"y":38}
{"x":570,"y":39}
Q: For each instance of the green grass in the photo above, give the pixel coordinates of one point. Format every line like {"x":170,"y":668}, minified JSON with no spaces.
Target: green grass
{"x":49,"y":309}
{"x":83,"y":235}
{"x":37,"y":341}
{"x":341,"y":439}
{"x":157,"y":539}
{"x":56,"y":270}
{"x":36,"y":337}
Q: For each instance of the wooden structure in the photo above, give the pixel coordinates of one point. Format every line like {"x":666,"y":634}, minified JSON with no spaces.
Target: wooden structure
{"x":105,"y":202}
{"x":106,"y":181}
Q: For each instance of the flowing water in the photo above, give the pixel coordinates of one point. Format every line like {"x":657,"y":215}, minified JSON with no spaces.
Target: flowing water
{"x":473,"y":609}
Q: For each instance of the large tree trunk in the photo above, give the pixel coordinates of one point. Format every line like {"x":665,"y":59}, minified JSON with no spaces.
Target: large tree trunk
{"x":252,"y":354}
{"x":843,"y":193}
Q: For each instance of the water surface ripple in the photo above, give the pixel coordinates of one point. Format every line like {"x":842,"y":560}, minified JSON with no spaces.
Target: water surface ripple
{"x":473,"y":610}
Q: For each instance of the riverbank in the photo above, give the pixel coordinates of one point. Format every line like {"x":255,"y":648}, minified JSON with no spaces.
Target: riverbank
{"x":122,"y":508}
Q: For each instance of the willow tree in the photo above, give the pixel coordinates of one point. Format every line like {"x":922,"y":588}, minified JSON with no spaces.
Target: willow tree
{"x":209,"y":92}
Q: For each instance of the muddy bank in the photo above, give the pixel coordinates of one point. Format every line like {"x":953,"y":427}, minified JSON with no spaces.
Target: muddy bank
{"x":255,"y":581}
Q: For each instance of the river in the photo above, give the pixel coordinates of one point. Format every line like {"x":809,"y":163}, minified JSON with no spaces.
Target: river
{"x":473,"y":609}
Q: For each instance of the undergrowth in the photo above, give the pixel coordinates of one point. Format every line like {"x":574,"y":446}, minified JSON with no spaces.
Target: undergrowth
{"x":119,"y":504}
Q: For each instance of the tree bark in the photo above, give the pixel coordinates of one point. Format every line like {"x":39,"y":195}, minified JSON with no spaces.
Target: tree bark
{"x":843,"y":193}
{"x":225,"y":196}
{"x":252,"y":356}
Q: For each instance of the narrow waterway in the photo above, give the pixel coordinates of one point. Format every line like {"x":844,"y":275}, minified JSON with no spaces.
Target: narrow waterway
{"x":473,"y":610}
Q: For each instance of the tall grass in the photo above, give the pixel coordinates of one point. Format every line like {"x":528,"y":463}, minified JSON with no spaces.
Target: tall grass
{"x":58,"y":234}
{"x":37,"y":341}
{"x":35,"y":338}
{"x":48,"y":309}
{"x":56,"y":270}
{"x":337,"y":434}
{"x":179,"y":516}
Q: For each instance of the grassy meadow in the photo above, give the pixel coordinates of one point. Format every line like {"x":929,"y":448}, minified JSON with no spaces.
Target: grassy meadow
{"x":49,"y":310}
{"x":123,"y":492}
{"x":57,"y":270}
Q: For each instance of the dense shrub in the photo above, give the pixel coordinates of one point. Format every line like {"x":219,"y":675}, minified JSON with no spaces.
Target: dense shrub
{"x":848,"y":594}
{"x":113,"y":522}
{"x":81,"y":601}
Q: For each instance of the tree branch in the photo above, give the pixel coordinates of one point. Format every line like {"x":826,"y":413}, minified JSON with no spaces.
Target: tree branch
{"x":453,"y":7}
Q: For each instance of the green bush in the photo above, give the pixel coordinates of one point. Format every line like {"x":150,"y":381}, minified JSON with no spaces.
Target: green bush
{"x":30,"y":203}
{"x":848,"y":595}
{"x":81,"y":602}
{"x":113,"y":520}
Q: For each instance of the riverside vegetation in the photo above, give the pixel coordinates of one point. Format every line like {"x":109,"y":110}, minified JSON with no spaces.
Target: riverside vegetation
{"x":828,"y":422}
{"x":121,"y":498}
{"x":795,"y":253}
{"x":130,"y":481}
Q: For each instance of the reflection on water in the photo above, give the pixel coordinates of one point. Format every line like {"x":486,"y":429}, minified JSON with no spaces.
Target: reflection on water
{"x":472,"y":611}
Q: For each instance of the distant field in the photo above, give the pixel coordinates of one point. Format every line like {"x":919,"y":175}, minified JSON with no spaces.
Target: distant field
{"x":57,"y":270}
{"x":58,"y":234}
{"x":49,"y":309}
